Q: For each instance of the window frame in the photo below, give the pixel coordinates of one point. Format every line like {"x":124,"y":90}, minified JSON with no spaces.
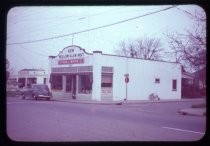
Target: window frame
{"x":85,"y":85}
{"x":105,"y":84}
{"x":174,"y":84}
{"x":56,"y":86}
{"x":157,"y":80}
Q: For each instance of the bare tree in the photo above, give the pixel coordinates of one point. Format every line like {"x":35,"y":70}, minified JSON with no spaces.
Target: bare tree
{"x":146,"y":48}
{"x":189,"y":48}
{"x":9,"y":69}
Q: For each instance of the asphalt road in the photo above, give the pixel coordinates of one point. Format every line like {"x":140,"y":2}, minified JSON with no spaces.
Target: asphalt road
{"x":30,"y":120}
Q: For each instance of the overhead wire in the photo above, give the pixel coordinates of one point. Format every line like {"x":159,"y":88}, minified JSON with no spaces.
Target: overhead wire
{"x":22,"y":58}
{"x":95,"y":28}
{"x":32,"y":51}
{"x":40,"y":27}
{"x":57,"y":24}
{"x":190,"y":14}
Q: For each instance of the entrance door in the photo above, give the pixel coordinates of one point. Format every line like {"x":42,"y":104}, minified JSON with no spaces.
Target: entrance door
{"x":74,"y":86}
{"x":71,"y":85}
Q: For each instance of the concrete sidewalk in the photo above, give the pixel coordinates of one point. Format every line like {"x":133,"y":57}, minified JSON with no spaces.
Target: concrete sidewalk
{"x":125,"y":102}
{"x":189,"y":111}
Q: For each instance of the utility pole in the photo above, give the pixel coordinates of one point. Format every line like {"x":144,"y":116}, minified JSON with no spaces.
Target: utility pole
{"x":72,"y":41}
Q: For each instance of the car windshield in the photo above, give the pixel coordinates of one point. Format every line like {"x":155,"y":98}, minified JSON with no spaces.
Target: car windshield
{"x":40,"y":87}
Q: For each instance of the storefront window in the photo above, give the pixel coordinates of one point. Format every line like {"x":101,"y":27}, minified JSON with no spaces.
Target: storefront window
{"x":56,"y":82}
{"x":31,"y":81}
{"x":21,"y":82}
{"x":106,"y":80}
{"x":85,"y":84}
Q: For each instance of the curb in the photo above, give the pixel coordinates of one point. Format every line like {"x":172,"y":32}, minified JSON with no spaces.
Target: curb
{"x":124,"y":102}
{"x":86,"y":102}
{"x":193,"y":112}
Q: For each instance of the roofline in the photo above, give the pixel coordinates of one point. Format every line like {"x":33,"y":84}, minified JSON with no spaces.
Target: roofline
{"x":141,"y":58}
{"x":72,"y":46}
{"x":113,"y":55}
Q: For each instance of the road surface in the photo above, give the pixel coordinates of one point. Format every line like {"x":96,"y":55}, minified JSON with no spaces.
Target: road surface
{"x":51,"y":121}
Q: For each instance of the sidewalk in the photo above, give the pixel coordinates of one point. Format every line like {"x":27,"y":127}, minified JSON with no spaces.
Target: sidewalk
{"x":189,"y":111}
{"x":124,"y":102}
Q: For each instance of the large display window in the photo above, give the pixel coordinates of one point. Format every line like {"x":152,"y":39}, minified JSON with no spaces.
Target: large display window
{"x":56,"y":82}
{"x":85,"y":84}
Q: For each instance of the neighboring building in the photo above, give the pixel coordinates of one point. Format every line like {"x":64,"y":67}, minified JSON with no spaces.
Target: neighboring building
{"x":200,"y":78}
{"x":98,"y":76}
{"x":194,"y":84}
{"x":187,"y":84}
{"x":200,"y":82}
{"x":28,"y":76}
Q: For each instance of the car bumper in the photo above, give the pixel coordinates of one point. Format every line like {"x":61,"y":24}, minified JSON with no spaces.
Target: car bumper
{"x":44,"y":96}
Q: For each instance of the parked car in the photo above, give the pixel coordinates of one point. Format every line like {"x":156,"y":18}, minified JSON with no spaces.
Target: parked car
{"x":36,"y":91}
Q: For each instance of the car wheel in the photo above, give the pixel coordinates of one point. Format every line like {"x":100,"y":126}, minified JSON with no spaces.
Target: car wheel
{"x":48,"y":98}
{"x":35,"y":97}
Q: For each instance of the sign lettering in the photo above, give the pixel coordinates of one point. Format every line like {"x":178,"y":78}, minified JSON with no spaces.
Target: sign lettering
{"x":71,"y":61}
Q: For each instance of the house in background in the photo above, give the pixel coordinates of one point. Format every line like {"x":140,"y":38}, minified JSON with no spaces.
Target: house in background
{"x":194,"y":84}
{"x":187,"y":84}
{"x":26,"y":77}
{"x":200,"y":81}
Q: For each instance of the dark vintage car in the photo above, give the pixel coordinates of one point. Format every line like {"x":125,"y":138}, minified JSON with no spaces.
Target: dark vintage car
{"x":36,"y":91}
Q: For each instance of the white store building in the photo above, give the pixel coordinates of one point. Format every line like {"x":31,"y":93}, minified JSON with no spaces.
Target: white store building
{"x":26,"y":77}
{"x":101,"y":77}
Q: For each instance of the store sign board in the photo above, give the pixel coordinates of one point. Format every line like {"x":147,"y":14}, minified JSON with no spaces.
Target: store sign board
{"x":71,"y":56}
{"x":71,"y":61}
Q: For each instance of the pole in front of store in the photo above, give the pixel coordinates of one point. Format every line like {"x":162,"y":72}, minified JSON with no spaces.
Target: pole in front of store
{"x":126,"y":84}
{"x":126,"y":91}
{"x":72,"y":40}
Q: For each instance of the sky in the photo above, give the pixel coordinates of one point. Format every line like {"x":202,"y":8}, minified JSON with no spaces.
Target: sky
{"x":27,"y":24}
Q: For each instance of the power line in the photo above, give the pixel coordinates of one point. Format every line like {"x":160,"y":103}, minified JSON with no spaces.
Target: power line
{"x":122,"y":21}
{"x":190,"y":14}
{"x":61,"y":23}
{"x":33,"y":52}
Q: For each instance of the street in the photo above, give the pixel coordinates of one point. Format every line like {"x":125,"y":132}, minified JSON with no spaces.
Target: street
{"x":52,"y":121}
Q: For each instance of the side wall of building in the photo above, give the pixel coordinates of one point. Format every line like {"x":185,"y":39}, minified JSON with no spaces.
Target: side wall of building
{"x":142,"y":76}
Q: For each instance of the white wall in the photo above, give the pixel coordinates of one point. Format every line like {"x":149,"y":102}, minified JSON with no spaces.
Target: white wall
{"x":142,"y":74}
{"x":40,"y":79}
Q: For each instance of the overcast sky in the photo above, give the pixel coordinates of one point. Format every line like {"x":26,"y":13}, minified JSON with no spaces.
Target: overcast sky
{"x":29,"y":24}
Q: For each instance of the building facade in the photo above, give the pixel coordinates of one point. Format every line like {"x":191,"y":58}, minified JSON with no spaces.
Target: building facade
{"x":76,"y":74}
{"x":26,"y":77}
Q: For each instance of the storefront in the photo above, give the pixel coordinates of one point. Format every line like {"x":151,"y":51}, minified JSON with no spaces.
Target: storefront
{"x":26,"y":77}
{"x":76,"y":74}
